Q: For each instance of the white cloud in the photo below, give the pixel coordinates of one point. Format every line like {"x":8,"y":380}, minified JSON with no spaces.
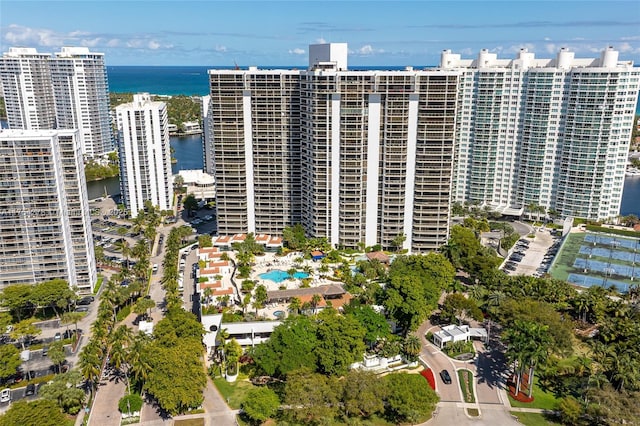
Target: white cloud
{"x":154,"y":45}
{"x":551,"y":48}
{"x":321,"y":40}
{"x":297,"y":51}
{"x":220,"y":48}
{"x":17,"y":34}
{"x":547,"y":39}
{"x":114,"y":42}
{"x":368,"y":50}
{"x":93,"y":42}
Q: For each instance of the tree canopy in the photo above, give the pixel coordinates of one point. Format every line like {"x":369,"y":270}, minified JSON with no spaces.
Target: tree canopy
{"x":41,"y":412}
{"x":261,"y":404}
{"x":414,"y":286}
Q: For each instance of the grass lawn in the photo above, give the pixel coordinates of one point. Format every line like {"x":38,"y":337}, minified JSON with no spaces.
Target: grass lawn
{"x":541,"y":399}
{"x":233,"y":393}
{"x":533,"y":419}
{"x":189,"y":422}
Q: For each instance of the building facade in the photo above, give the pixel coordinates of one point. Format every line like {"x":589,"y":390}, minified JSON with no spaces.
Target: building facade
{"x":45,"y":228}
{"x":25,"y":75}
{"x":145,"y":157}
{"x":81,"y":94}
{"x":66,"y":91}
{"x":553,"y":133}
{"x":355,"y":156}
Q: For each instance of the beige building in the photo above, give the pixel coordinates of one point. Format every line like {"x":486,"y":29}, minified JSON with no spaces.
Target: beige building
{"x":355,"y":156}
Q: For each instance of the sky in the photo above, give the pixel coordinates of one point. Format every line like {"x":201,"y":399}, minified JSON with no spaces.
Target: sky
{"x":267,"y":33}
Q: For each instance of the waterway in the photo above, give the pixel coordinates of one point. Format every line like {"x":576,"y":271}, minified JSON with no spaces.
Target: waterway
{"x":187,"y":150}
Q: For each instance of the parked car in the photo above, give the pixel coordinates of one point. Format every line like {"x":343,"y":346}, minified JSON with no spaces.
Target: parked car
{"x":85,"y":300}
{"x":446,"y":378}
{"x":155,"y":267}
{"x":57,"y":337}
{"x":5,"y":395}
{"x":82,"y":309}
{"x":31,"y":390}
{"x":45,"y":350}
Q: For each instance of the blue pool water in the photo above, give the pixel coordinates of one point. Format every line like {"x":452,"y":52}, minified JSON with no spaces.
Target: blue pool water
{"x":277,"y":276}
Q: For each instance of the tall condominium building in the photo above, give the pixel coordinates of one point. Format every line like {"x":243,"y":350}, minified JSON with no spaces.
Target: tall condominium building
{"x":45,"y":228}
{"x":27,"y":89}
{"x":207,"y":134}
{"x":355,"y":156}
{"x":547,"y":132}
{"x":66,"y":91}
{"x":81,"y":94}
{"x":145,"y":157}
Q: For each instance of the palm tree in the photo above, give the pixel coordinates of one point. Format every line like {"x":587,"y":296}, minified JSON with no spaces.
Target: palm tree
{"x":90,"y":364}
{"x":411,"y":347}
{"x":72,"y":318}
{"x":295,"y":305}
{"x":315,"y":300}
{"x":120,"y":340}
{"x":136,"y":360}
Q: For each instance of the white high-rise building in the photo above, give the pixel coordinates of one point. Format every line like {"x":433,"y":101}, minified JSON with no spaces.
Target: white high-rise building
{"x":548,"y":132}
{"x":45,"y":228}
{"x":27,"y":89}
{"x":145,"y":157}
{"x":81,"y":94}
{"x":355,"y":156}
{"x":66,"y":91}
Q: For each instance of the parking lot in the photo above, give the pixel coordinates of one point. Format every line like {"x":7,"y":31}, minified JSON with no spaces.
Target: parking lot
{"x":532,"y":256}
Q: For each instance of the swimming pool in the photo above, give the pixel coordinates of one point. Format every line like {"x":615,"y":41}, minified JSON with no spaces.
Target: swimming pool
{"x":277,"y":275}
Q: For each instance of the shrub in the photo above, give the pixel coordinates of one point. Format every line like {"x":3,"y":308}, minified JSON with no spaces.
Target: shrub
{"x":130,"y":403}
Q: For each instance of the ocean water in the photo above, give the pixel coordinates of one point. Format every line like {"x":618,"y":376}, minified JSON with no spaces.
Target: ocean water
{"x":176,"y":80}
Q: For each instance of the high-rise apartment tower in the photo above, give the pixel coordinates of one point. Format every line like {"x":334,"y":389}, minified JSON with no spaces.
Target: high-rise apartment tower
{"x":553,"y":133}
{"x":355,"y":156}
{"x":145,"y":157}
{"x":66,"y":91}
{"x":45,"y":228}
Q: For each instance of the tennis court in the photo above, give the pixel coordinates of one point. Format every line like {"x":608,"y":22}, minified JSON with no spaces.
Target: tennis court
{"x":588,"y":259}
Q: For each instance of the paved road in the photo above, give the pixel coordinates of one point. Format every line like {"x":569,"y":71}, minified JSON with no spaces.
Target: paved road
{"x":454,"y":414}
{"x":489,"y":370}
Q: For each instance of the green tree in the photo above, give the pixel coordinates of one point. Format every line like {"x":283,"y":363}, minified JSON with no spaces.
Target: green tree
{"x":409,"y":398}
{"x":190,"y":203}
{"x":53,"y":293}
{"x":9,"y":360}
{"x":143,"y":305}
{"x":176,"y":375}
{"x":375,"y":324}
{"x":260,"y":297}
{"x":311,"y":398}
{"x":362,"y":394}
{"x":23,"y":330}
{"x":260,"y":404}
{"x":57,"y":354}
{"x":37,"y":413}
{"x":91,"y":363}
{"x":64,"y":391}
{"x":398,"y":241}
{"x":294,"y":237}
{"x":340,"y":342}
{"x":414,"y":285}
{"x":570,"y":410}
{"x":411,"y":347}
{"x":290,"y":347}
{"x":457,"y":307}
{"x":72,"y":318}
{"x":204,"y":240}
{"x":130,"y":403}
{"x":16,"y":298}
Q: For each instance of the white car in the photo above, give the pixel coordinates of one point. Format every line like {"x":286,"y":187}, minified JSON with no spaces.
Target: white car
{"x":5,"y":395}
{"x":208,"y":217}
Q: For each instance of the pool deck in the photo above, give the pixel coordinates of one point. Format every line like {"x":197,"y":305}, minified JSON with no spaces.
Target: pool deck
{"x":269,"y":262}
